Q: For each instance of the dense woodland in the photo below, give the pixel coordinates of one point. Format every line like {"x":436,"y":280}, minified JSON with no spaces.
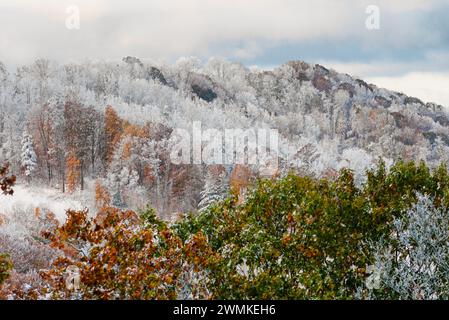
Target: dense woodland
{"x":358,"y":207}
{"x":64,"y":125}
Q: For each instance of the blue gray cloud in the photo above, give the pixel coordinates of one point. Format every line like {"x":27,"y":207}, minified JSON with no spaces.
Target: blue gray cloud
{"x":413,"y":36}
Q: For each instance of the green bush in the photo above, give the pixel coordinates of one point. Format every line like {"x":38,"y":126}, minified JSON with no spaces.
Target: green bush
{"x":303,"y":238}
{"x":5,"y":267}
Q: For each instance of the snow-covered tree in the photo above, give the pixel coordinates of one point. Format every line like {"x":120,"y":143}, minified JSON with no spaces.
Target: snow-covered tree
{"x":358,"y":160}
{"x":28,"y":156}
{"x":121,"y":180}
{"x":414,"y":263}
{"x":215,"y":188}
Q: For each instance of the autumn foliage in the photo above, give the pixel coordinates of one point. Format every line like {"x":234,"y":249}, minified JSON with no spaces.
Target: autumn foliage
{"x":6,"y":182}
{"x":73,"y":174}
{"x":292,"y":238}
{"x":122,"y":256}
{"x":102,"y":196}
{"x":113,"y":129}
{"x":239,"y":181}
{"x":304,"y":238}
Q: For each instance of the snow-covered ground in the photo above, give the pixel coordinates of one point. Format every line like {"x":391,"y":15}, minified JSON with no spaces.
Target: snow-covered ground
{"x":32,"y":197}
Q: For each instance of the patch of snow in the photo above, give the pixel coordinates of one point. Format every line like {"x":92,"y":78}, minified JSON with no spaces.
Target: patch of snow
{"x":50,"y":199}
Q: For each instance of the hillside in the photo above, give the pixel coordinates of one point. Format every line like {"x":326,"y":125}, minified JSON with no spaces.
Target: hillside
{"x":113,"y":122}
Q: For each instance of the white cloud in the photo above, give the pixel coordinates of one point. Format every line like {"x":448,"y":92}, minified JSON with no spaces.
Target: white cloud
{"x":362,"y":69}
{"x":160,"y":28}
{"x":243,"y":29}
{"x":171,"y":28}
{"x":428,"y":86}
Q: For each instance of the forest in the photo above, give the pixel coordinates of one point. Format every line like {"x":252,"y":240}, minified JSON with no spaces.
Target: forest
{"x":357,"y":207}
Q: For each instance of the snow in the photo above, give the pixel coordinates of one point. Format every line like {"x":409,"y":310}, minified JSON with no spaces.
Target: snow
{"x":44,"y":198}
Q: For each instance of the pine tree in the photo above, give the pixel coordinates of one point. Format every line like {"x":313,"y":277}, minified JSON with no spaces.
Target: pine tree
{"x":117,"y":200}
{"x":28,"y":156}
{"x":215,"y":189}
{"x":120,"y":181}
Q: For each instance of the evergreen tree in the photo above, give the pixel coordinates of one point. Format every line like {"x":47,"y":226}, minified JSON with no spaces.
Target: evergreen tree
{"x":117,"y":200}
{"x":215,"y":189}
{"x":28,"y":156}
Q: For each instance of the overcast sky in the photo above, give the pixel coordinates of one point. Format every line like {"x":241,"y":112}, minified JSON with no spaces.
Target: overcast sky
{"x":409,"y":53}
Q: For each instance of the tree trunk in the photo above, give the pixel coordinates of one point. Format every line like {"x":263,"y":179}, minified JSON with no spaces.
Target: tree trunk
{"x":62,"y":171}
{"x":82,"y":174}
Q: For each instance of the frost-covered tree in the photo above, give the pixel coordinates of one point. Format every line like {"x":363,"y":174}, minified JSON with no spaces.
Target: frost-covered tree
{"x":28,"y":156}
{"x":358,"y":160}
{"x":414,"y":262}
{"x":120,"y":181}
{"x":215,"y":188}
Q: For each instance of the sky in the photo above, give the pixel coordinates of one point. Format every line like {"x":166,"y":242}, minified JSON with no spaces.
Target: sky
{"x":405,"y":47}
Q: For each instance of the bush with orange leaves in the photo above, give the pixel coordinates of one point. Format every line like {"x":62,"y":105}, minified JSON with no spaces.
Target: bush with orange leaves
{"x":6,"y":182}
{"x":122,"y":256}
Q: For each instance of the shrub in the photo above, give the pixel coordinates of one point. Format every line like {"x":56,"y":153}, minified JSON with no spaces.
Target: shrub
{"x":6,"y":182}
{"x":303,"y":238}
{"x":119,"y":257}
{"x":5,"y":267}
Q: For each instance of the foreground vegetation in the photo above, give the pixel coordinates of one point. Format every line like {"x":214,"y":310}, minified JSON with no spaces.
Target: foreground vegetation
{"x":294,"y":238}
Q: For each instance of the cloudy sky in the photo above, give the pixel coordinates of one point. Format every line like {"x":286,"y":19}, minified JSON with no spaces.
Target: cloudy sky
{"x":409,"y":52}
